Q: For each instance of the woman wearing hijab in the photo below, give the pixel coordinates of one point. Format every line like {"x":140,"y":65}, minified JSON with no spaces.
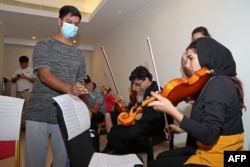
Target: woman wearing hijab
{"x":215,"y":124}
{"x":198,"y":32}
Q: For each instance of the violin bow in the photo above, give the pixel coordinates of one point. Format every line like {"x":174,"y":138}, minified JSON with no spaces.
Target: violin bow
{"x":158,"y":82}
{"x":152,"y":56}
{"x":112,"y":75}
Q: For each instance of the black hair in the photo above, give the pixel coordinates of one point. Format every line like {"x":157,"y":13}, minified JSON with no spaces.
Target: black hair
{"x":69,"y":9}
{"x":88,"y":80}
{"x":203,"y":30}
{"x":23,"y":59}
{"x":205,"y":44}
{"x":140,"y":73}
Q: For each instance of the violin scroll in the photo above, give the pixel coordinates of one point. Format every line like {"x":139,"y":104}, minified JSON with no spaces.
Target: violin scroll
{"x":126,"y":118}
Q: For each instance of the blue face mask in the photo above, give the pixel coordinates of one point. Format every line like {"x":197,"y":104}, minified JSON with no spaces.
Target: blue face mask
{"x":69,"y":30}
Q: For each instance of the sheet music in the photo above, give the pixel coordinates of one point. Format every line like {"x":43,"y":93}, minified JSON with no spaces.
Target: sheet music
{"x":107,"y":160}
{"x":75,"y":114}
{"x":10,"y":117}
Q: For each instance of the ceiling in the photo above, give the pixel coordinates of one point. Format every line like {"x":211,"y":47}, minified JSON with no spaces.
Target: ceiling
{"x":23,"y":26}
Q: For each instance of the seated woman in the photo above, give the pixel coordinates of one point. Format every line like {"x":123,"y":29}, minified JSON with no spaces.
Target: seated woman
{"x":215,"y":124}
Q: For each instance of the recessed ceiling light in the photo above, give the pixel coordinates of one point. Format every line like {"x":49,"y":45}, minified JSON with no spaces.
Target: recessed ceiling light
{"x":33,"y":37}
{"x":119,"y":11}
{"x":88,"y":8}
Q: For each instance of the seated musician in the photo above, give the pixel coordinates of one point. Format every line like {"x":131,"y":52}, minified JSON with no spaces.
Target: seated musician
{"x":217,"y":112}
{"x":108,"y":98}
{"x":95,"y":104}
{"x":198,"y":32}
{"x":120,"y":137}
{"x":136,"y":98}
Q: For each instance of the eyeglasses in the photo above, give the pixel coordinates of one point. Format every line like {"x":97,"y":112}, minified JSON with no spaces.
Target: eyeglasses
{"x":139,"y":84}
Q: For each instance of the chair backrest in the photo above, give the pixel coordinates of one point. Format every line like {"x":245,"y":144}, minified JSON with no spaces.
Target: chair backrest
{"x":7,"y":149}
{"x":10,"y":149}
{"x":10,"y":119}
{"x":81,"y":148}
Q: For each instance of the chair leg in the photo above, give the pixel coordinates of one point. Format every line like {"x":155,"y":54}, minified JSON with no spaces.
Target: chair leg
{"x":171,"y":141}
{"x":150,"y":154}
{"x":17,"y":153}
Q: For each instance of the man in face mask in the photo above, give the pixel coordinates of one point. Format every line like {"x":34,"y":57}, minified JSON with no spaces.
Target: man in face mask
{"x":68,"y":21}
{"x":59,"y":66}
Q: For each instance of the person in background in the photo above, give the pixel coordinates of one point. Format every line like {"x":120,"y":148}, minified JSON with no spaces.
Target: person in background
{"x":139,"y":96}
{"x":121,"y":137}
{"x":198,"y":32}
{"x":95,"y":104}
{"x":59,"y":66}
{"x":136,"y":98}
{"x":108,"y":98}
{"x":217,"y":115}
{"x":24,"y":79}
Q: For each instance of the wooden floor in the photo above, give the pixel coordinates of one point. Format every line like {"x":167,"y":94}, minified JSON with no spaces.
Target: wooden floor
{"x":9,"y":162}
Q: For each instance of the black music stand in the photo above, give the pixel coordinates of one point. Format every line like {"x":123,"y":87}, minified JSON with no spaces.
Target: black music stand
{"x":81,"y":148}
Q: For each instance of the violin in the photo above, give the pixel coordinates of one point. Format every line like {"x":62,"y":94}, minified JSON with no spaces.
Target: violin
{"x":175,"y":90}
{"x":132,"y":96}
{"x":105,"y":89}
{"x":118,"y":105}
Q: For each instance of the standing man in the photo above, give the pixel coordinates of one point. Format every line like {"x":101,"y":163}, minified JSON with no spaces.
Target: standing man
{"x":24,"y":79}
{"x":59,"y":66}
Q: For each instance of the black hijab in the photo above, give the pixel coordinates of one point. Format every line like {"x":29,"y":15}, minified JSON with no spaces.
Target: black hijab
{"x":215,"y":56}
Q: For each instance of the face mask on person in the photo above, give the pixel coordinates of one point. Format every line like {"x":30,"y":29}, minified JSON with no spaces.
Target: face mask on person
{"x":69,"y":30}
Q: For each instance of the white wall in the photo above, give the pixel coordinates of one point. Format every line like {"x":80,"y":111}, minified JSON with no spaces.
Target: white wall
{"x":1,"y":60}
{"x":169,"y":26}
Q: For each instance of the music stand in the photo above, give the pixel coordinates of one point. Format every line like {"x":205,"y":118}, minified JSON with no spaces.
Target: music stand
{"x":81,"y":148}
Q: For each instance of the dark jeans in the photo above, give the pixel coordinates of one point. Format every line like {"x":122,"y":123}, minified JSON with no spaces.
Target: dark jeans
{"x":121,"y":137}
{"x":95,"y":119}
{"x":174,"y":158}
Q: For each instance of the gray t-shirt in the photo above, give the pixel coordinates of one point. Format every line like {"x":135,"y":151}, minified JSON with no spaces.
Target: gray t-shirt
{"x":64,"y":61}
{"x":99,"y":99}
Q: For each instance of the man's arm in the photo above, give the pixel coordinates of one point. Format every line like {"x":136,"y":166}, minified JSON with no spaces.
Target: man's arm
{"x":55,"y":83}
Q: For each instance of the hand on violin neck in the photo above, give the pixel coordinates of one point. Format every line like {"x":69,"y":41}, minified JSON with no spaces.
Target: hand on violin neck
{"x":157,"y":104}
{"x":164,"y":105}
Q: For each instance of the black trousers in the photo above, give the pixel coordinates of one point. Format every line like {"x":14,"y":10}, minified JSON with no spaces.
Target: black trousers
{"x":174,"y":158}
{"x":95,"y":119}
{"x":121,"y":137}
